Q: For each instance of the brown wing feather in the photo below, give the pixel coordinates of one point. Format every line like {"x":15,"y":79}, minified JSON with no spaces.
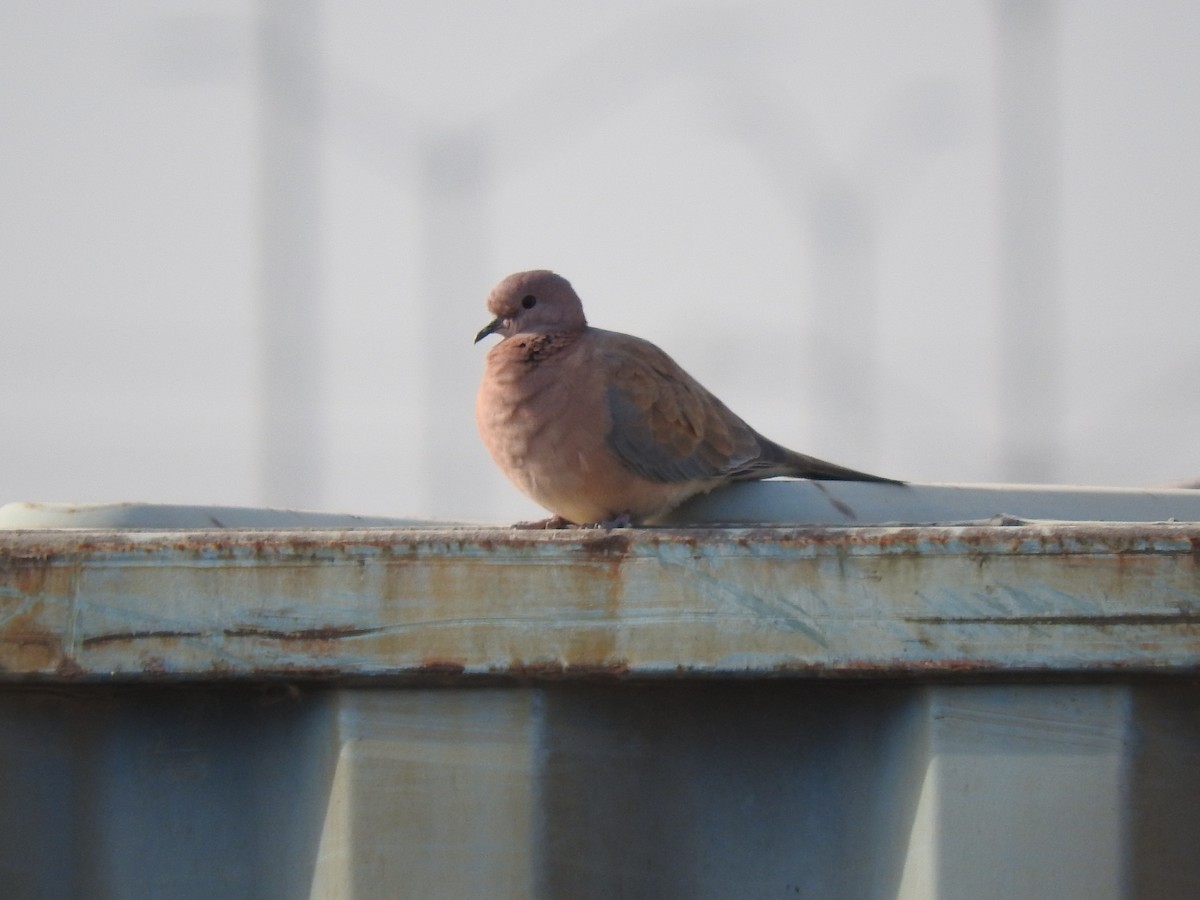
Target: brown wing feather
{"x":665,"y":425}
{"x":668,"y":428}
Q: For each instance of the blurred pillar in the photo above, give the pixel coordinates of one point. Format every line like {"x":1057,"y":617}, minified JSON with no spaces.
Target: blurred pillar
{"x":1030,"y":326}
{"x":291,"y":438}
{"x":454,"y":280}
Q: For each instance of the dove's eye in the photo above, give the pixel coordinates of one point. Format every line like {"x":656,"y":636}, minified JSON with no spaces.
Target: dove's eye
{"x":529,"y":301}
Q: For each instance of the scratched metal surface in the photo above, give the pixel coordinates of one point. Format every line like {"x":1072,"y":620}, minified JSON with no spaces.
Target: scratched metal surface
{"x":451,"y":604}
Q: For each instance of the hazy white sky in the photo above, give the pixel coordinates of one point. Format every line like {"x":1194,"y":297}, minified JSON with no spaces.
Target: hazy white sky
{"x":724,"y":179}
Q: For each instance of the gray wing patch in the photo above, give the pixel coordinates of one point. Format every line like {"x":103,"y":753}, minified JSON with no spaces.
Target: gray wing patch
{"x":637,"y":448}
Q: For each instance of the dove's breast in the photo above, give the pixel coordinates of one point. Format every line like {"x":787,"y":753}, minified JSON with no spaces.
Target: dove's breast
{"x":546,"y":424}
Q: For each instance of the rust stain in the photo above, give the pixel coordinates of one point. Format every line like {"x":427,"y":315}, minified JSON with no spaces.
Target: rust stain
{"x":557,"y":670}
{"x":435,"y":666}
{"x":607,"y":545}
{"x":118,"y":637}
{"x":68,"y":668}
{"x":32,"y":579}
{"x":605,"y":581}
{"x":35,"y":577}
{"x":318,"y":641}
{"x":323,"y":633}
{"x":26,"y":644}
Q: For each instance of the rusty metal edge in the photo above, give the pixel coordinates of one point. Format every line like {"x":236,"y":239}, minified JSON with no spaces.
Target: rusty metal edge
{"x":939,"y":672}
{"x":74,"y":548}
{"x":1034,"y":538}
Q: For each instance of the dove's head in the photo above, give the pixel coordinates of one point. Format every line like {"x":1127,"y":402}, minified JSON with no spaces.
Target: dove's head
{"x":537,"y":302}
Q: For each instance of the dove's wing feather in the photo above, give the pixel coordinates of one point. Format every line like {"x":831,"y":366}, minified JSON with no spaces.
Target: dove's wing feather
{"x":668,"y":428}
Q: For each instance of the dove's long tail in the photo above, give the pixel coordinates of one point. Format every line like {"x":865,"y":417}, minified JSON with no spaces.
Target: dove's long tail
{"x":779,"y":460}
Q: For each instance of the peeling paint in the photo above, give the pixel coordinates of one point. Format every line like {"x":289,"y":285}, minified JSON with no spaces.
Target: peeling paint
{"x":483,"y":603}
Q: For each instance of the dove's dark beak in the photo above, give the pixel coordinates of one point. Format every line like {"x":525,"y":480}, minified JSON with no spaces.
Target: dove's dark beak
{"x":490,"y":328}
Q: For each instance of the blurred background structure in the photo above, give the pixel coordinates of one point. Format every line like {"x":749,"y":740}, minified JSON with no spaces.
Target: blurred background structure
{"x":246,"y":245}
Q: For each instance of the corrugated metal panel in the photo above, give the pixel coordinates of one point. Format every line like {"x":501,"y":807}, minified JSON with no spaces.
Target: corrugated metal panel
{"x":716,"y":789}
{"x":1000,"y":711}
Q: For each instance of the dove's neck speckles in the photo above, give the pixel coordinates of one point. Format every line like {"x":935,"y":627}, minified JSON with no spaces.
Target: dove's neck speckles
{"x":537,"y":348}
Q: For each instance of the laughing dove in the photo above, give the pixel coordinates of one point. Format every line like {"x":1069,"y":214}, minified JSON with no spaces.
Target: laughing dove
{"x":605,"y":428}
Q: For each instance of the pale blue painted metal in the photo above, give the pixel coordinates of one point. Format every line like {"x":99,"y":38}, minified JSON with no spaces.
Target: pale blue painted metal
{"x":800,"y":502}
{"x":199,"y":604}
{"x":777,"y":502}
{"x":24,"y":515}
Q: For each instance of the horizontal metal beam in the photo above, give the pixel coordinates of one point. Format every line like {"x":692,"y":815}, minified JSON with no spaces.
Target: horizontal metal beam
{"x":459,"y":603}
